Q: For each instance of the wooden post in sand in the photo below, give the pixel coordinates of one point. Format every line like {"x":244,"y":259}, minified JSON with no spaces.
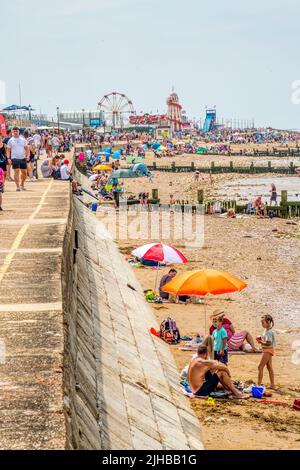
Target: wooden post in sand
{"x":193,"y":166}
{"x":155,"y":194}
{"x":173,"y":166}
{"x":284,"y":197}
{"x":283,"y":203}
{"x":200,"y":196}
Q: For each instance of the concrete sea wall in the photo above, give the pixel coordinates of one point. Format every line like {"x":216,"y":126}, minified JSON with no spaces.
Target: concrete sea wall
{"x":121,"y":386}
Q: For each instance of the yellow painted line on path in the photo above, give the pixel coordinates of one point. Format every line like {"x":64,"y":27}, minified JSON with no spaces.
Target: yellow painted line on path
{"x":39,"y":307}
{"x":19,"y":237}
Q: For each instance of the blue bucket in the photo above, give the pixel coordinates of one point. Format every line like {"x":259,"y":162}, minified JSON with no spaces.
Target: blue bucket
{"x":257,"y":392}
{"x":95,"y":206}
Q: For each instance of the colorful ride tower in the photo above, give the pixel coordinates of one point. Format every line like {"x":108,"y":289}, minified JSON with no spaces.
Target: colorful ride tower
{"x":174,"y":112}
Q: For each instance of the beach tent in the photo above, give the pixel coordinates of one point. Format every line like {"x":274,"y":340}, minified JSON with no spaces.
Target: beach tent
{"x":201,"y":151}
{"x":155,"y":145}
{"x":117,"y":155}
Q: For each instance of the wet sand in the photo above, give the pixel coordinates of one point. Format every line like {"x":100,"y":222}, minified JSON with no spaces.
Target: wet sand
{"x":232,"y":186}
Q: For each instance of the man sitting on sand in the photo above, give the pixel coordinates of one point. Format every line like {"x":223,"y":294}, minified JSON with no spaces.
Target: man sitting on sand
{"x":205,"y":376}
{"x":164,"y":280}
{"x":260,"y":207}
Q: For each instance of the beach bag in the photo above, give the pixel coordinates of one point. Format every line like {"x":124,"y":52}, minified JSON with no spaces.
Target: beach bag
{"x":296,"y":404}
{"x":149,"y":295}
{"x":169,"y":331}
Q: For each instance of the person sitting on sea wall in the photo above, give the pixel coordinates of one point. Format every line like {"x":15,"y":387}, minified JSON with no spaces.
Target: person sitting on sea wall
{"x":206,"y":376}
{"x":56,"y":164}
{"x":237,"y":341}
{"x":46,"y":168}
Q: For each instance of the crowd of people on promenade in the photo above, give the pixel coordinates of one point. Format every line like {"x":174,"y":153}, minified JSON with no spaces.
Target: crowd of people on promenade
{"x":19,"y":154}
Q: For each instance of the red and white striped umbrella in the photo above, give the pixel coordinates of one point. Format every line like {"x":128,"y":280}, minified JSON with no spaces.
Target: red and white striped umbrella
{"x":160,"y":252}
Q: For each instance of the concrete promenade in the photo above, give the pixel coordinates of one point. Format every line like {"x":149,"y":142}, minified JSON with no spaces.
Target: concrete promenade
{"x":89,"y":375}
{"x":32,"y":228}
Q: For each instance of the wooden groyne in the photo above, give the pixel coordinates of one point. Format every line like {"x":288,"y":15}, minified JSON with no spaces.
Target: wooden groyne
{"x":231,"y":168}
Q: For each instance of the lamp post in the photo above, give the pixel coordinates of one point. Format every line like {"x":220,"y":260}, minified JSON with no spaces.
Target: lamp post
{"x":58,"y":123}
{"x":83,"y":120}
{"x":29,"y":110}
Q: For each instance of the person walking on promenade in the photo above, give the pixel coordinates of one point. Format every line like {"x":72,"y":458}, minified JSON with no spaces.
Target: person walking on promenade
{"x":5,"y":141}
{"x":38,"y":143}
{"x":30,"y":163}
{"x":3,"y":157}
{"x":18,"y":156}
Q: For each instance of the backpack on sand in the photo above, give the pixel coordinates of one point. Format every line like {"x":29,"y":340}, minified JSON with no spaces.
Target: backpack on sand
{"x":169,"y":331}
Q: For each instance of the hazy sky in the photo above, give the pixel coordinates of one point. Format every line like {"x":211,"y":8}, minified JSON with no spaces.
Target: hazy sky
{"x":240,"y":56}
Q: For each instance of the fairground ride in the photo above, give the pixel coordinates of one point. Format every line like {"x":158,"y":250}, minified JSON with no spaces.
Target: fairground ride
{"x":117,"y":108}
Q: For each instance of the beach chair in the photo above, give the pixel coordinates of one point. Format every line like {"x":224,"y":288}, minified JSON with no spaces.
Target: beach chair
{"x":250,"y":209}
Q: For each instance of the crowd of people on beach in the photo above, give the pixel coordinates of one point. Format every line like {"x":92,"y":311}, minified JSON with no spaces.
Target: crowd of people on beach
{"x":208,"y":370}
{"x":250,"y":136}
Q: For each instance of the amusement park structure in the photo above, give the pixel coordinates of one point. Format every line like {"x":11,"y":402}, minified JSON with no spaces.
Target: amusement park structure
{"x":210,"y":120}
{"x":174,"y":112}
{"x":116,"y":108}
{"x":174,"y":119}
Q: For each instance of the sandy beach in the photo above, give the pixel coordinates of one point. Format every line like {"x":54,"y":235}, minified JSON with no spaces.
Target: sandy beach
{"x":266,"y":254}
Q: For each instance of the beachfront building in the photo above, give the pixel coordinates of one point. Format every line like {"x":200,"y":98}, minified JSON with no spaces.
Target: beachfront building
{"x":82,"y":118}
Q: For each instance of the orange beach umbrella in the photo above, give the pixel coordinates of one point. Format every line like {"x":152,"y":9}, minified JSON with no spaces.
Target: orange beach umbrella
{"x":202,"y":282}
{"x":102,"y":168}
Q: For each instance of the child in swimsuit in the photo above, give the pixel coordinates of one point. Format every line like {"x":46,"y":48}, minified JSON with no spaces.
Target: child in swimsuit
{"x":267,"y":341}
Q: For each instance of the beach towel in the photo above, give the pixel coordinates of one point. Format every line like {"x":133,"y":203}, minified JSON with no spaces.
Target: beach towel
{"x":191,"y":345}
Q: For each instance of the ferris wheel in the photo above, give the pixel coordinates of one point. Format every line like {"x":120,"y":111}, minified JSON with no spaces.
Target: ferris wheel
{"x":117,"y":108}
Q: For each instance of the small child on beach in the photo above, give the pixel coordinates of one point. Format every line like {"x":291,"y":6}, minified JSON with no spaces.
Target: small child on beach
{"x":267,"y":341}
{"x":1,"y":187}
{"x":220,"y":339}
